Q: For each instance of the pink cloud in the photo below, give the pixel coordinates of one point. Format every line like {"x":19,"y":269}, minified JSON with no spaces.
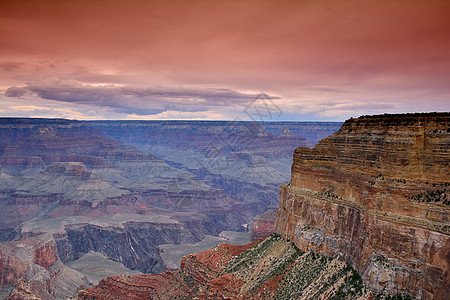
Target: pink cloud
{"x":396,"y":51}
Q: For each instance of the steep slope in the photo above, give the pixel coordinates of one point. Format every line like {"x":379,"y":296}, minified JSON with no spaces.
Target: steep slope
{"x":375,"y":194}
{"x":270,"y":268}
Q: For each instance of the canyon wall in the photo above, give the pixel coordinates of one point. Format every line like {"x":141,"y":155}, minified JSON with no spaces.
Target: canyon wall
{"x":376,"y":195}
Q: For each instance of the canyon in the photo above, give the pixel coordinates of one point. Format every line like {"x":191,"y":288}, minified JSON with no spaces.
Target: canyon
{"x":32,"y":268}
{"x":97,"y":193}
{"x":365,"y":216}
{"x":248,"y":160}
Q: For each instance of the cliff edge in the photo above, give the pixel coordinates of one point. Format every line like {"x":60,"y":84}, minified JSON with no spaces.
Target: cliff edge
{"x":376,"y":194}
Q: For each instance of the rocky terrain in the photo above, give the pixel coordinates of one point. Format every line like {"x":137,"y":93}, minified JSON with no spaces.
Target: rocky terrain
{"x":248,"y":160}
{"x":269,"y":268}
{"x":375,"y":194}
{"x":31,"y":268}
{"x":98,"y":189}
{"x":93,"y":194}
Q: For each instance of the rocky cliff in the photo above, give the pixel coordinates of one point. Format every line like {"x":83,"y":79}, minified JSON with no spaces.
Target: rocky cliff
{"x":32,"y":268}
{"x":376,"y":195}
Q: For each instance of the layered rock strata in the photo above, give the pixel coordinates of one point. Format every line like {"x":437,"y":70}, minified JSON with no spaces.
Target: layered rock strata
{"x":375,"y":194}
{"x":263,"y":224}
{"x":32,"y":267}
{"x":67,"y":178}
{"x":248,"y":160}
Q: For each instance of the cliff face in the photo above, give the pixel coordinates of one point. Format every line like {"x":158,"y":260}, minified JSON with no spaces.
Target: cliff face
{"x":135,"y":245}
{"x":33,"y":267}
{"x":376,"y":194}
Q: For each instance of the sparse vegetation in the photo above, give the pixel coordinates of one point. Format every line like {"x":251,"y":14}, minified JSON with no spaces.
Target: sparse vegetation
{"x":433,"y":196}
{"x":309,"y":273}
{"x":400,"y":180}
{"x":380,"y":260}
{"x":329,"y":195}
{"x":382,"y":296}
{"x":352,"y":288}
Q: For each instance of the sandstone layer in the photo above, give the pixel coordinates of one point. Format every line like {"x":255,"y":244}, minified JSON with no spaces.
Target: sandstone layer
{"x":376,"y":195}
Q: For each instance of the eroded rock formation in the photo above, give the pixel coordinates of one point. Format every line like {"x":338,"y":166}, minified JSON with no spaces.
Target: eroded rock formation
{"x":33,"y":268}
{"x":376,"y":194}
{"x":264,"y":224}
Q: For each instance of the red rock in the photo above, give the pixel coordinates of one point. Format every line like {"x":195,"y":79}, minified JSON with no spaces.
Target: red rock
{"x":32,"y":265}
{"x":264,"y":224}
{"x":223,"y":273}
{"x":353,"y":197}
{"x":201,"y":268}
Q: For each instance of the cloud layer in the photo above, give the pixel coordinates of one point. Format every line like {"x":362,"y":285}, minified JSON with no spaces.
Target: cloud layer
{"x":325,"y":60}
{"x":132,"y":100}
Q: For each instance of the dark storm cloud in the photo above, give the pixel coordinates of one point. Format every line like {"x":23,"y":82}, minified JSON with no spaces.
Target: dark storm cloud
{"x":214,"y":96}
{"x":15,"y":91}
{"x":140,"y":101}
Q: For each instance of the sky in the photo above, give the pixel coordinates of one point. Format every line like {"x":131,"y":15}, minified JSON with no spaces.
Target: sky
{"x":259,"y":60}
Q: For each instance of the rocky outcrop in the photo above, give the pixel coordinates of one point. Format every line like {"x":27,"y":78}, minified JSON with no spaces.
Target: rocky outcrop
{"x":375,"y":195}
{"x":263,"y":224}
{"x":270,"y":268}
{"x":135,"y":244}
{"x":32,"y":266}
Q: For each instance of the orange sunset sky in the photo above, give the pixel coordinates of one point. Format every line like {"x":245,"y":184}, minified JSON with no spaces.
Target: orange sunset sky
{"x":316,"y":60}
